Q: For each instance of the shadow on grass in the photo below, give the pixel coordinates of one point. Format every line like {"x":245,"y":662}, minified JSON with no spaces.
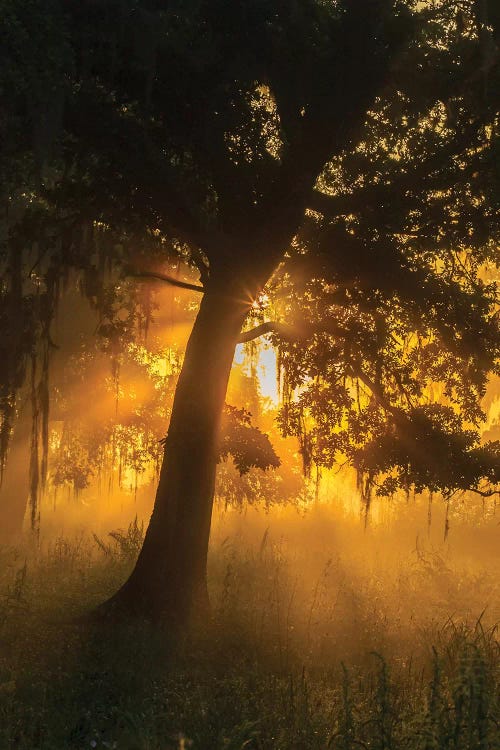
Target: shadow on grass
{"x":74,"y":686}
{"x":71,"y":684}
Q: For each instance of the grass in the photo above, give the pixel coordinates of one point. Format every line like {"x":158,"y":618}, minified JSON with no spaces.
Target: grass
{"x":324,"y":660}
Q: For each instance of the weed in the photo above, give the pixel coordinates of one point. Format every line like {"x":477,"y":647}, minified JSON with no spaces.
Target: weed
{"x":265,"y":675}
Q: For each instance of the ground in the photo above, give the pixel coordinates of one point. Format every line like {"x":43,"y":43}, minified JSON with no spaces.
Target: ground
{"x":334,"y":657}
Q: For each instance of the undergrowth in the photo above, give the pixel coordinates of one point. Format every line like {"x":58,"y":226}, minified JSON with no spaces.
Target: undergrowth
{"x":286,"y":663}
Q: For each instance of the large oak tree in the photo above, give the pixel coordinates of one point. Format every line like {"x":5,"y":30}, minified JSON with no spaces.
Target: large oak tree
{"x":341,"y":155}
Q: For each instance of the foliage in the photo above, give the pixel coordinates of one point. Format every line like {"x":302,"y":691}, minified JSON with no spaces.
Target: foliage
{"x":390,"y":290}
{"x":124,"y":545}
{"x":122,"y":436}
{"x":119,"y":434}
{"x":263,"y":137}
{"x":248,"y":446}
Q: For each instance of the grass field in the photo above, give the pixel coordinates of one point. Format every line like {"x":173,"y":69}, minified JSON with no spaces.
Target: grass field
{"x":331,"y":657}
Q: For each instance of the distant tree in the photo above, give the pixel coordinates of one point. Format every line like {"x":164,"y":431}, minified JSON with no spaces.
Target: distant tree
{"x":119,"y":435}
{"x":343,"y":155}
{"x":114,"y":441}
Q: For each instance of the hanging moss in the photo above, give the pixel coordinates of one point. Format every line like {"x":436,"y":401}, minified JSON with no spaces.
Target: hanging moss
{"x":7,"y":415}
{"x":34,"y":469}
{"x":33,"y":278}
{"x":365,"y":485}
{"x":429,"y":513}
{"x":17,"y":318}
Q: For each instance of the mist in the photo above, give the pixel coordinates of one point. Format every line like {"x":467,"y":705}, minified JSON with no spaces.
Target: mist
{"x":300,"y":557}
{"x":249,"y":375}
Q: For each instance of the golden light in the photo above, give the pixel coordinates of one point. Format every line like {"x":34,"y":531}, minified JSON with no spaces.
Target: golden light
{"x":261,"y":302}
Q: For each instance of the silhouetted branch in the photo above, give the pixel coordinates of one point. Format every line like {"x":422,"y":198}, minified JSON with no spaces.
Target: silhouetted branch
{"x":200,"y":262}
{"x":484,"y":493}
{"x":377,"y":392}
{"x":287,"y":331}
{"x":168,"y":279}
{"x":291,"y":332}
{"x":297,"y":332}
{"x":417,"y":178}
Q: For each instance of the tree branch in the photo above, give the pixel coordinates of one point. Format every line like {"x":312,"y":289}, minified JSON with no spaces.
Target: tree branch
{"x":287,"y":331}
{"x":305,"y":329}
{"x":168,"y":279}
{"x":483,"y":493}
{"x":421,"y":177}
{"x":291,"y":332}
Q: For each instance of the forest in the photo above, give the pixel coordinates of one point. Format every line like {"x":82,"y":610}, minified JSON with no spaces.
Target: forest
{"x":249,"y":374}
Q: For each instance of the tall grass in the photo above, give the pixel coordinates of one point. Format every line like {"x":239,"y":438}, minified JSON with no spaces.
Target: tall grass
{"x":328,"y":655}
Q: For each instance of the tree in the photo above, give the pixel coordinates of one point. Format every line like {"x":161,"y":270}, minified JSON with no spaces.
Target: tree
{"x":114,"y":439}
{"x":121,"y":435}
{"x":287,"y":144}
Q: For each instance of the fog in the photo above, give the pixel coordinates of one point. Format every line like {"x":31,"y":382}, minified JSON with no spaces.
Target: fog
{"x":298,"y":557}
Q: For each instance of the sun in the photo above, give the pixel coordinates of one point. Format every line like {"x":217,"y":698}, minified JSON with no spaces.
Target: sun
{"x":260,"y":303}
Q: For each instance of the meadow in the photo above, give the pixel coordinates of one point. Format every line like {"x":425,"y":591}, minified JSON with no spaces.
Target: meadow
{"x":323,"y":635}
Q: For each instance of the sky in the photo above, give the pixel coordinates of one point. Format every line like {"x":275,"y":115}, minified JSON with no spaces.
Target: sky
{"x":266,"y":370}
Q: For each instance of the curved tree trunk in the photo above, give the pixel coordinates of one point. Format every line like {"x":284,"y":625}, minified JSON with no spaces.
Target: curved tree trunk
{"x":169,"y":579}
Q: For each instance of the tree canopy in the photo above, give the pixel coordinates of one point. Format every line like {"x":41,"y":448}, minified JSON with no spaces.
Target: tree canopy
{"x":336,"y":162}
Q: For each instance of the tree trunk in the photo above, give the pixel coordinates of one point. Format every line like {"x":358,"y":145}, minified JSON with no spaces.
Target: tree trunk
{"x":169,"y":579}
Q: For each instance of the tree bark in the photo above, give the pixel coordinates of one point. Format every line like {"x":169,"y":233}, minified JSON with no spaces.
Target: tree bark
{"x":169,"y":580}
